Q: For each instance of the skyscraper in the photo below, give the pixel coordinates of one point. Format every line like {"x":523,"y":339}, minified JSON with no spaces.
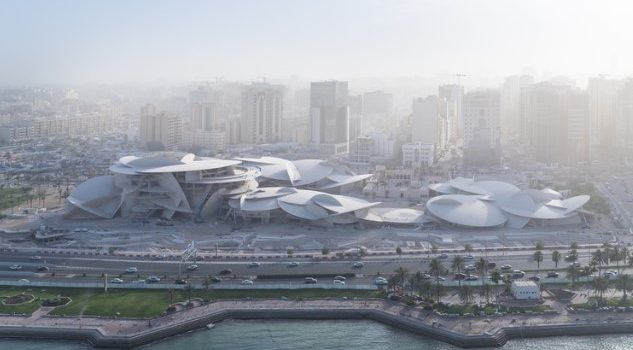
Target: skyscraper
{"x":481,"y":128}
{"x":329,"y":117}
{"x":262,"y":113}
{"x":425,"y":120}
{"x":159,"y":130}
{"x":452,"y":97}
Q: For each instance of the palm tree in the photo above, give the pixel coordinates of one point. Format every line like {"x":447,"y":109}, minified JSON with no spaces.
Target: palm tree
{"x":598,"y":257}
{"x":457,"y":265}
{"x":415,"y":281}
{"x":573,"y":246}
{"x":495,"y":277}
{"x":436,"y":268}
{"x":325,"y":250}
{"x":624,"y":284}
{"x":624,"y":253}
{"x":538,"y":257}
{"x":616,"y":255}
{"x":482,"y":268}
{"x":600,"y":285}
{"x":401,"y":275}
{"x":466,"y":294}
{"x":426,"y":289}
{"x":487,"y":291}
{"x":539,"y":245}
{"x":206,"y":285}
{"x":556,"y":256}
{"x":188,"y":290}
{"x":572,"y":273}
{"x":468,"y":248}
{"x":398,"y":250}
{"x":392,"y":283}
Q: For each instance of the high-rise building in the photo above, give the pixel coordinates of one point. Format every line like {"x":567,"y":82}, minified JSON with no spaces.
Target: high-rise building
{"x":356,"y":127}
{"x":452,"y":97}
{"x":603,"y":95}
{"x":262,"y":113}
{"x":511,"y":105}
{"x":425,"y":120}
{"x":377,"y":104}
{"x":329,"y":117}
{"x":481,"y":128}
{"x":159,"y":130}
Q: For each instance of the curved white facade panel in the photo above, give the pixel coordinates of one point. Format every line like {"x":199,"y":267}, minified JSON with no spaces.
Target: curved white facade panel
{"x":305,"y":173}
{"x":162,"y":185}
{"x":470,"y":203}
{"x":303,"y":204}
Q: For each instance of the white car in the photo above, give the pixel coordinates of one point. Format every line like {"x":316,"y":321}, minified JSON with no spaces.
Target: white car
{"x":380,"y":281}
{"x":116,"y":280}
{"x":340,"y":278}
{"x":339,"y":282}
{"x":192,"y":267}
{"x":247,"y":282}
{"x":36,"y":257}
{"x":293,"y":264}
{"x":358,"y":265}
{"x":152,"y":279}
{"x":131,"y":270}
{"x":15,"y":267}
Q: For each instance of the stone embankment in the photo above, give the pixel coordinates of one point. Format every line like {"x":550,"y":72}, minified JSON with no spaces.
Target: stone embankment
{"x":467,"y":332}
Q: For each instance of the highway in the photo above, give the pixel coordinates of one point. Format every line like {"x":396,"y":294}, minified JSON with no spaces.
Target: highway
{"x":73,"y":267}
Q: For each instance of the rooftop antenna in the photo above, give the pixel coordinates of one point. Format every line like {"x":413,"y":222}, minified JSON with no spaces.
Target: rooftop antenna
{"x":459,"y":78}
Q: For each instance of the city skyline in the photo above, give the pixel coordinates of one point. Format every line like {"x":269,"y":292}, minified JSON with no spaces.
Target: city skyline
{"x":119,"y":42}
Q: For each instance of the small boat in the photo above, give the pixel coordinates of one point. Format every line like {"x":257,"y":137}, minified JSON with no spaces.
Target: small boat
{"x":210,"y":325}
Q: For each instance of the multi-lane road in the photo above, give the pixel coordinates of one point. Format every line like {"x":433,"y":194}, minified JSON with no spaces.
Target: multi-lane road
{"x":63,"y":268}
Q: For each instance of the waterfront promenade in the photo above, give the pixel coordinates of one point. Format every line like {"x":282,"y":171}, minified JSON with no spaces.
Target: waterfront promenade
{"x":458,"y":330}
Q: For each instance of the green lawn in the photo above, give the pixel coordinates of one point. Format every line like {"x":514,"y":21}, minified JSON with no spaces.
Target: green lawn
{"x":150,"y":303}
{"x":11,"y":197}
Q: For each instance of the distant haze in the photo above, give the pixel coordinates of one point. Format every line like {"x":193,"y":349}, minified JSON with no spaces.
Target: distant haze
{"x":83,"y":41}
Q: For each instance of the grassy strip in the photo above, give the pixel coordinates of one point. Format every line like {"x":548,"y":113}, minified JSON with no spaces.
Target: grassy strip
{"x":151,"y":303}
{"x":11,"y":197}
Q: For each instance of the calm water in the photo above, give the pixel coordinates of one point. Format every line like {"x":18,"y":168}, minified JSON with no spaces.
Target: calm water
{"x":281,"y":335}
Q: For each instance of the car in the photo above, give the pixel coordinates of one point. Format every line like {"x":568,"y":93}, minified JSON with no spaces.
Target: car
{"x":180,"y":281}
{"x":139,"y":281}
{"x":552,"y":274}
{"x":42,"y":268}
{"x":534,"y":278}
{"x":426,"y":276}
{"x":216,"y":279}
{"x":609,"y":274}
{"x":518,"y":274}
{"x":472,"y":278}
{"x":116,"y":281}
{"x":192,"y":267}
{"x":24,"y":281}
{"x":131,"y":270}
{"x":293,"y":264}
{"x":459,"y":276}
{"x":574,"y":264}
{"x":469,"y":257}
{"x":491,"y":265}
{"x":380,"y":281}
{"x":443,"y":256}
{"x":339,"y":282}
{"x":310,"y":280}
{"x":571,"y":258}
{"x":226,"y":272}
{"x":440,"y":279}
{"x":152,"y":279}
{"x":15,"y":267}
{"x":358,"y":265}
{"x":36,"y":257}
{"x":254,"y":264}
{"x":247,"y":282}
{"x":506,"y":267}
{"x":340,"y":278}
{"x":470,"y":268}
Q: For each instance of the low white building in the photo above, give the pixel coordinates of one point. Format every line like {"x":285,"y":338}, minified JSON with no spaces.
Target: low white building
{"x":526,"y":290}
{"x":418,"y":155}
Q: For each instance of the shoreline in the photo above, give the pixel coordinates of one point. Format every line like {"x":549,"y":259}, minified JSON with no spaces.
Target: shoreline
{"x":465,"y":332}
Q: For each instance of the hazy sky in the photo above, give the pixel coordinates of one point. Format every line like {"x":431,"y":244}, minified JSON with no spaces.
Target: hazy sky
{"x":53,"y":41}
